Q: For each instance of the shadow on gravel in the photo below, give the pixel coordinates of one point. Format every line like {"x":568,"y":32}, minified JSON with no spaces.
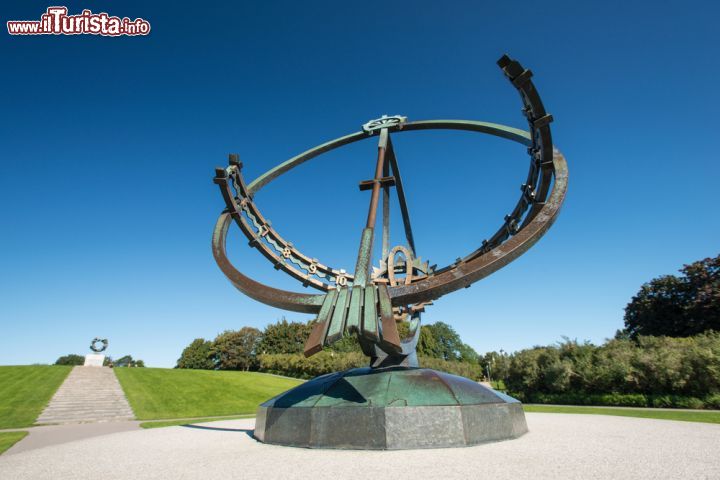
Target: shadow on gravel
{"x":246,"y":431}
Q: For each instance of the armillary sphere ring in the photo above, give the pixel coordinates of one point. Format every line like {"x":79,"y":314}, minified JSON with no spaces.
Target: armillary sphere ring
{"x":103,"y":344}
{"x":541,"y":197}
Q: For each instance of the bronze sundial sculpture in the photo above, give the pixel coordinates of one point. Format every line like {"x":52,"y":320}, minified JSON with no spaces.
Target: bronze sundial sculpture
{"x":392,"y":403}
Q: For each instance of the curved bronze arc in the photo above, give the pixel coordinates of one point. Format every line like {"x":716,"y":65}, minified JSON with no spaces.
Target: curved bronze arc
{"x":277,"y":249}
{"x":296,"y":302}
{"x":522,"y":228}
{"x":275,"y":172}
{"x":311,"y":303}
{"x":469,"y":272}
{"x":495,"y":129}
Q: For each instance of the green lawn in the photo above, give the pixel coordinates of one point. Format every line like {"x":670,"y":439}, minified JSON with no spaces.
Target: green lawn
{"x":191,"y":421}
{"x":8,"y":439}
{"x":26,"y":390}
{"x":681,"y":415}
{"x":157,"y":393}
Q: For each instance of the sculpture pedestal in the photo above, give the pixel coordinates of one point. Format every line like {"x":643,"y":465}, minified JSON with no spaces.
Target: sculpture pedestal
{"x":393,"y":408}
{"x":94,"y":360}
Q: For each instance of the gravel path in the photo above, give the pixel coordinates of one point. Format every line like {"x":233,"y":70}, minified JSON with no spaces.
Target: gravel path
{"x":558,"y":447}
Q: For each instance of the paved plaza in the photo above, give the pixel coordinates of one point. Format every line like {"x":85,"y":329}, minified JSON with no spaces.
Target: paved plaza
{"x":558,"y":446}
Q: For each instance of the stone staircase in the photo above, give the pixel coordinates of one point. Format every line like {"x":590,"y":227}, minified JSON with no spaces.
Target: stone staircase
{"x":88,"y":394}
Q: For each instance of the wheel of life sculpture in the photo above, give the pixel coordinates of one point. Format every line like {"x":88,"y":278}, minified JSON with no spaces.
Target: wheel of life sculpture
{"x":94,"y":344}
{"x":369,"y":302}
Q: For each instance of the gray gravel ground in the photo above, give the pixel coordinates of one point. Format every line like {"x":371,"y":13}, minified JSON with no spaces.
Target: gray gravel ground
{"x":558,"y":446}
{"x":56,"y":434}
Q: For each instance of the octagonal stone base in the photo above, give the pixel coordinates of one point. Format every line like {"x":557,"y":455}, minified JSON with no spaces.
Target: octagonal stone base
{"x":393,"y":408}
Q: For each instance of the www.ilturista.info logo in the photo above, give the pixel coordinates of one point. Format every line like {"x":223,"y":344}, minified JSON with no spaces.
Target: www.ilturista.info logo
{"x":56,"y":21}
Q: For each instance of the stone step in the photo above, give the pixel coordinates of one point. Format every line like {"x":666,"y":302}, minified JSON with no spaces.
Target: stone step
{"x":86,"y":400}
{"x":63,"y":421}
{"x":83,"y":418}
{"x":98,"y":406}
{"x":86,"y":414}
{"x":88,"y":394}
{"x":86,"y":410}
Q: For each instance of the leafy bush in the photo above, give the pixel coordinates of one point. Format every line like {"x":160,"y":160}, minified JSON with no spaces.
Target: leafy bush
{"x":464,"y":369}
{"x":712,"y":401}
{"x":688,"y":402}
{"x":615,"y":400}
{"x":295,"y":365}
{"x":128,"y":361}
{"x":70,"y":359}
{"x":648,"y":371}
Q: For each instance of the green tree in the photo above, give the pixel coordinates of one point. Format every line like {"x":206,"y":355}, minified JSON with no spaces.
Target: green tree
{"x":349,"y":343}
{"x":677,"y":306}
{"x":198,"y":355}
{"x":703,"y":309}
{"x":70,"y":359}
{"x":427,"y":345}
{"x":524,"y":374}
{"x":495,"y":365}
{"x":284,"y":337}
{"x":658,"y":308}
{"x":128,"y":361}
{"x":235,"y":350}
{"x":467,"y":354}
{"x":442,"y":341}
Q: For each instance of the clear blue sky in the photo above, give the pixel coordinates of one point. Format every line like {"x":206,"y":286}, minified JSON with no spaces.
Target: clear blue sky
{"x":108,"y":145}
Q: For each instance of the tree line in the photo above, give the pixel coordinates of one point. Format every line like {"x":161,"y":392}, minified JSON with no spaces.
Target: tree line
{"x":124,"y":361}
{"x":668,"y":354}
{"x":283,"y":341}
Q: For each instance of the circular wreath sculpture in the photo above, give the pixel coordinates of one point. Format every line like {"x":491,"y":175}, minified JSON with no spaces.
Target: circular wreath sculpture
{"x":102,"y":341}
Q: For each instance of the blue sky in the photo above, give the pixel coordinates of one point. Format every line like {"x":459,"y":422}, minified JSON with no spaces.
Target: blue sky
{"x":108,"y":145}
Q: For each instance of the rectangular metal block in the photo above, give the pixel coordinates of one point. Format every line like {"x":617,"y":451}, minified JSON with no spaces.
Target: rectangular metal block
{"x":337,"y":322}
{"x":370,"y":324}
{"x":259,"y":432}
{"x":517,"y":415}
{"x":389,"y":333}
{"x":353,"y":427}
{"x":354,"y":310}
{"x":424,"y":427}
{"x":288,"y":426}
{"x":485,"y":423}
{"x":316,"y":340}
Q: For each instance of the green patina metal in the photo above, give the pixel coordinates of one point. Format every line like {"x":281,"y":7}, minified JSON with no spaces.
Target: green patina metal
{"x":389,"y":387}
{"x":503,"y":131}
{"x":370,"y":316}
{"x":362,"y":266}
{"x":535,"y":211}
{"x":337,"y":322}
{"x":354,"y":314}
{"x":386,"y":405}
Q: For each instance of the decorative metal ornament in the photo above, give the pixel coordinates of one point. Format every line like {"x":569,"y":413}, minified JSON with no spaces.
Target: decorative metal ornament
{"x":103,"y":344}
{"x":411,"y":407}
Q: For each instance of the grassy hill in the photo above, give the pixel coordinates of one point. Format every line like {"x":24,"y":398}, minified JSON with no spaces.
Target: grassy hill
{"x":156,"y":393}
{"x":26,"y":390}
